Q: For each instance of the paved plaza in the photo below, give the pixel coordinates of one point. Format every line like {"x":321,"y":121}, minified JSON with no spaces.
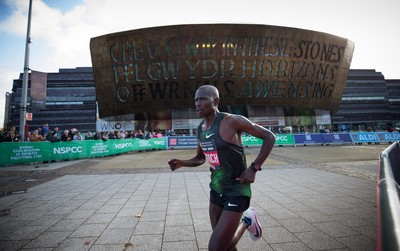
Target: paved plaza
{"x":306,"y":202}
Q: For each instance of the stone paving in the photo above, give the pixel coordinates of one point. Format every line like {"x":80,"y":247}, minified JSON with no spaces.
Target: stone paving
{"x":301,"y":208}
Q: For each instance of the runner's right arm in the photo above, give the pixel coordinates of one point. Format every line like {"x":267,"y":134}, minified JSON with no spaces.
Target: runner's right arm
{"x":197,"y":160}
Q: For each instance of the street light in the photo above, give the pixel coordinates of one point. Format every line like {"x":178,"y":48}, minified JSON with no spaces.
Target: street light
{"x":24,"y":95}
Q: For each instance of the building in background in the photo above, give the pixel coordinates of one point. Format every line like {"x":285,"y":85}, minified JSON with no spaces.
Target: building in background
{"x":369,"y":102}
{"x":70,"y":101}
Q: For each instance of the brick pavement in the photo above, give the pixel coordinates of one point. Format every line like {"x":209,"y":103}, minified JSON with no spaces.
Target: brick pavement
{"x":301,"y":208}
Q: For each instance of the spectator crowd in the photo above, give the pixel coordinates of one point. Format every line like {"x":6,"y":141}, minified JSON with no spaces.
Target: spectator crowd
{"x":44,"y":133}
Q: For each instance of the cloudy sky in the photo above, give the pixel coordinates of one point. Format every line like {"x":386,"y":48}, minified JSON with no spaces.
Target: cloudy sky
{"x":61,"y":29}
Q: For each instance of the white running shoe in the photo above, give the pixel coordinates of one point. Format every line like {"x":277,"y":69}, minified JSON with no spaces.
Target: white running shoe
{"x":250,"y":216}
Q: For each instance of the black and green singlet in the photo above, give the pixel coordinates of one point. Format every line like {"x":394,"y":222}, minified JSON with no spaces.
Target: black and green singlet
{"x":227,"y":161}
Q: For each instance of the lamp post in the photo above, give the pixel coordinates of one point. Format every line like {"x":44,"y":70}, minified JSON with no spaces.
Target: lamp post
{"x":24,"y":95}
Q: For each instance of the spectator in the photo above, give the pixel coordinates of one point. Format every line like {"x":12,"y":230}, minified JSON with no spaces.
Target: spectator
{"x":104,"y":136}
{"x":149,"y":135}
{"x":78,"y":136}
{"x":11,"y":137}
{"x":39,"y":129}
{"x":89,"y":136}
{"x":97,"y":135}
{"x":129,"y":135}
{"x":112,"y":135}
{"x":72,"y":133}
{"x":118,"y":135}
{"x":66,"y":136}
{"x":139,"y":134}
{"x":35,"y":136}
{"x":45,"y":130}
{"x":123,"y":134}
{"x":54,"y":136}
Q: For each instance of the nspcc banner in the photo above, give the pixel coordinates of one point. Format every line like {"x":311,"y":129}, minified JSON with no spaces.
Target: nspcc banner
{"x":284,"y":139}
{"x":160,"y":68}
{"x":28,"y":152}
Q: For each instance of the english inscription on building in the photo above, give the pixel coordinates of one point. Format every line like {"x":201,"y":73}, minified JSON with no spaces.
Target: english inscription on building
{"x":160,"y":68}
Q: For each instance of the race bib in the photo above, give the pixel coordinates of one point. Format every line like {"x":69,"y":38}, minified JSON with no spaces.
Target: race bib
{"x":211,"y":153}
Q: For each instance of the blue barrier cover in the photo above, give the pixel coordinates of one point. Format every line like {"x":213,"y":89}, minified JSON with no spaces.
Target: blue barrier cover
{"x":364,"y":137}
{"x":388,"y":136}
{"x":336,"y":138}
{"x":308,"y":139}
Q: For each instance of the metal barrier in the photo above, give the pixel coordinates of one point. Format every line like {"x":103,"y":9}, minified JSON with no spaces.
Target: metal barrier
{"x":388,"y":191}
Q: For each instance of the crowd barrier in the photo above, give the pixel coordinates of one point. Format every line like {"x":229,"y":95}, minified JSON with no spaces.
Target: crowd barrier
{"x":388,"y":197}
{"x":28,"y":152}
{"x":301,"y":139}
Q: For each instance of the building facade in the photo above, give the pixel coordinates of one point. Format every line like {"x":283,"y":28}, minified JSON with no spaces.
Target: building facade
{"x":369,"y":102}
{"x":70,"y":101}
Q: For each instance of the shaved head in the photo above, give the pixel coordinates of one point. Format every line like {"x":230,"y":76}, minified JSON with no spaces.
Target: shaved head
{"x":210,"y":90}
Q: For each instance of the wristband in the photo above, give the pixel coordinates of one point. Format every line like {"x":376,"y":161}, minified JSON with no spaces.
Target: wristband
{"x":256,"y":167}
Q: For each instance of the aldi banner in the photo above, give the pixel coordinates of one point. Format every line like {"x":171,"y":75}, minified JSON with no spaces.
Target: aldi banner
{"x":388,"y":136}
{"x":308,"y":139}
{"x":364,"y":137}
{"x":336,"y":138}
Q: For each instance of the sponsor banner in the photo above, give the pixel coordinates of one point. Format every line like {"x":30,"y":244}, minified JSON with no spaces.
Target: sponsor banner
{"x":308,"y":139}
{"x":336,"y":138}
{"x":249,"y":140}
{"x":191,"y":141}
{"x":100,"y":148}
{"x":104,"y":125}
{"x":28,"y":152}
{"x":364,"y":137}
{"x":14,"y":152}
{"x":388,"y":136}
{"x":284,"y":139}
{"x":182,"y":142}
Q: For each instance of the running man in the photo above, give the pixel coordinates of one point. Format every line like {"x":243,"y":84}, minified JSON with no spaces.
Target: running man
{"x":220,"y":143}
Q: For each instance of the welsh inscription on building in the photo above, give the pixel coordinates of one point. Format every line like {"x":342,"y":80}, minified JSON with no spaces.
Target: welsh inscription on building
{"x":160,"y":68}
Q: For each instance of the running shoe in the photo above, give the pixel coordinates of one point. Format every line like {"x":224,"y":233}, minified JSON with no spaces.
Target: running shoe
{"x":250,"y":217}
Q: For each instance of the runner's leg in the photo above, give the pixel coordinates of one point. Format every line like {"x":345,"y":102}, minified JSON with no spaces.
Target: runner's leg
{"x":225,"y":225}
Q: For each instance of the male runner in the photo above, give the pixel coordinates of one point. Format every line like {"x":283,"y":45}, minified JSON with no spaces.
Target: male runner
{"x":220,"y":143}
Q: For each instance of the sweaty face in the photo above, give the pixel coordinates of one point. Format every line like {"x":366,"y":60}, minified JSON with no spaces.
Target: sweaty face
{"x":204,"y":102}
